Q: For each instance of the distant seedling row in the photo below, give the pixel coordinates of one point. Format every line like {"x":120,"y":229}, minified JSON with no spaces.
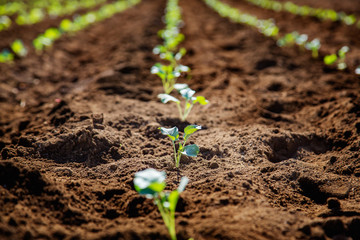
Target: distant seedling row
{"x":270,"y":29}
{"x":306,"y":11}
{"x":36,"y":11}
{"x":67,"y":26}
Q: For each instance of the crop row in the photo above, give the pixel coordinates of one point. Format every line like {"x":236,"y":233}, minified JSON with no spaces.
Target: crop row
{"x":320,"y":13}
{"x":36,"y":11}
{"x":78,"y":23}
{"x":270,"y":29}
{"x":151,"y":182}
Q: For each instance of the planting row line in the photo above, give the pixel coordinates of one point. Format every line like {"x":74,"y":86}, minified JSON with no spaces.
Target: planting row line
{"x":320,"y":13}
{"x":39,"y":10}
{"x":269,"y":29}
{"x":151,"y":182}
{"x":78,"y":23}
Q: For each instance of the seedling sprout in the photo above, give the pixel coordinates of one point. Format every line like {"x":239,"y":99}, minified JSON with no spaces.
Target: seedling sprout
{"x":151,"y":183}
{"x":189,"y":150}
{"x":188,"y":94}
{"x":314,"y":47}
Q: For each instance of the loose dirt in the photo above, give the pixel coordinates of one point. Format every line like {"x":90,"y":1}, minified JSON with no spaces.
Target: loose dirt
{"x":279,"y":149}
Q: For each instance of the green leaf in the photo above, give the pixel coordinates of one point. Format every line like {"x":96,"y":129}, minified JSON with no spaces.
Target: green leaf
{"x":173,"y":199}
{"x":149,"y":182}
{"x":191,"y":150}
{"x":190,"y":130}
{"x":183,"y":182}
{"x":166,"y":98}
{"x":200,"y":99}
{"x":187,"y":93}
{"x":172,"y":133}
{"x":180,"y":86}
{"x":330,"y":59}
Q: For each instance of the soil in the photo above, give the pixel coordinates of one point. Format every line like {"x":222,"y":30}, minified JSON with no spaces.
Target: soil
{"x":279,"y":148}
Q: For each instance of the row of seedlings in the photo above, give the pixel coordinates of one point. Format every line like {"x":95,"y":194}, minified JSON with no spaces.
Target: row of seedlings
{"x":269,"y":29}
{"x":151,"y":182}
{"x":46,"y":39}
{"x":307,"y":11}
{"x":36,"y":11}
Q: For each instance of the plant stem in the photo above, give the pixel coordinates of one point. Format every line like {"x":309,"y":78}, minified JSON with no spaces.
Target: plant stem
{"x":180,"y":111}
{"x":175,"y":154}
{"x":168,"y":218}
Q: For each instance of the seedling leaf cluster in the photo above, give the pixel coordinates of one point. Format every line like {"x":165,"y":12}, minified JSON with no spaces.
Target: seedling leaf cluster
{"x":168,"y":51}
{"x":151,"y":183}
{"x":188,"y":95}
{"x":183,"y":149}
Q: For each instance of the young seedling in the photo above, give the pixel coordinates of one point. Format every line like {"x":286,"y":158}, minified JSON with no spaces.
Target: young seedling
{"x":6,"y":56}
{"x":357,"y":70}
{"x":151,"y":183}
{"x":18,"y":48}
{"x":169,"y":74}
{"x":314,"y":47}
{"x":342,"y":55}
{"x":330,"y":59}
{"x":188,"y":94}
{"x":189,"y":150}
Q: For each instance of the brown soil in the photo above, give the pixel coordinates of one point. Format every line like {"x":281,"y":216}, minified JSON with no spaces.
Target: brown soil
{"x":279,"y":146}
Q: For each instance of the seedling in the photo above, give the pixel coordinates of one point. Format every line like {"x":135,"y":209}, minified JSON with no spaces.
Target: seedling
{"x":151,"y":183}
{"x":5,"y":22}
{"x":357,"y":70}
{"x":331,"y":59}
{"x":189,"y":150}
{"x":314,"y":47}
{"x":18,"y":48}
{"x":342,"y":55}
{"x":6,"y":56}
{"x":168,"y":74}
{"x":188,"y":94}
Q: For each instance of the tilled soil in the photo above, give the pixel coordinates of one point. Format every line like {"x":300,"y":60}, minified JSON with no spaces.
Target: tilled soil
{"x":279,"y":148}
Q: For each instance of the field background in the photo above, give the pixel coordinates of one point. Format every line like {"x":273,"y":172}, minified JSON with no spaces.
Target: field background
{"x":279,"y":149}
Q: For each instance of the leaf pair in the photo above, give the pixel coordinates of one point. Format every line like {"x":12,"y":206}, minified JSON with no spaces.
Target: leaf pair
{"x":188,"y":94}
{"x":183,"y":149}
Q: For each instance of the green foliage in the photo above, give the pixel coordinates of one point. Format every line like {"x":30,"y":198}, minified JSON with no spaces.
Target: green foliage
{"x":339,"y":58}
{"x":266,"y":27}
{"x":33,"y":16}
{"x":323,"y":14}
{"x":183,"y":149}
{"x":5,"y":23}
{"x":80,"y":22}
{"x":6,"y":56}
{"x":330,"y":59}
{"x":188,"y":95}
{"x":168,"y":74}
{"x":151,"y":183}
{"x":18,"y":48}
{"x":314,"y":47}
{"x":342,"y":55}
{"x":169,"y":49}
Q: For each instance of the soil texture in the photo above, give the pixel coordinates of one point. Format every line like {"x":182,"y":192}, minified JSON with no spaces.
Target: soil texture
{"x":279,"y":148}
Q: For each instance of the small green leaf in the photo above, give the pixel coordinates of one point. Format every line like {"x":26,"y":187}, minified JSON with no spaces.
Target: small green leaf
{"x":183,"y":182}
{"x":330,"y":59}
{"x":173,"y":199}
{"x":190,"y":130}
{"x":172,"y":133}
{"x":191,"y":150}
{"x":166,"y":98}
{"x":149,"y":182}
{"x":187,"y":93}
{"x":180,"y":86}
{"x":200,"y":99}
